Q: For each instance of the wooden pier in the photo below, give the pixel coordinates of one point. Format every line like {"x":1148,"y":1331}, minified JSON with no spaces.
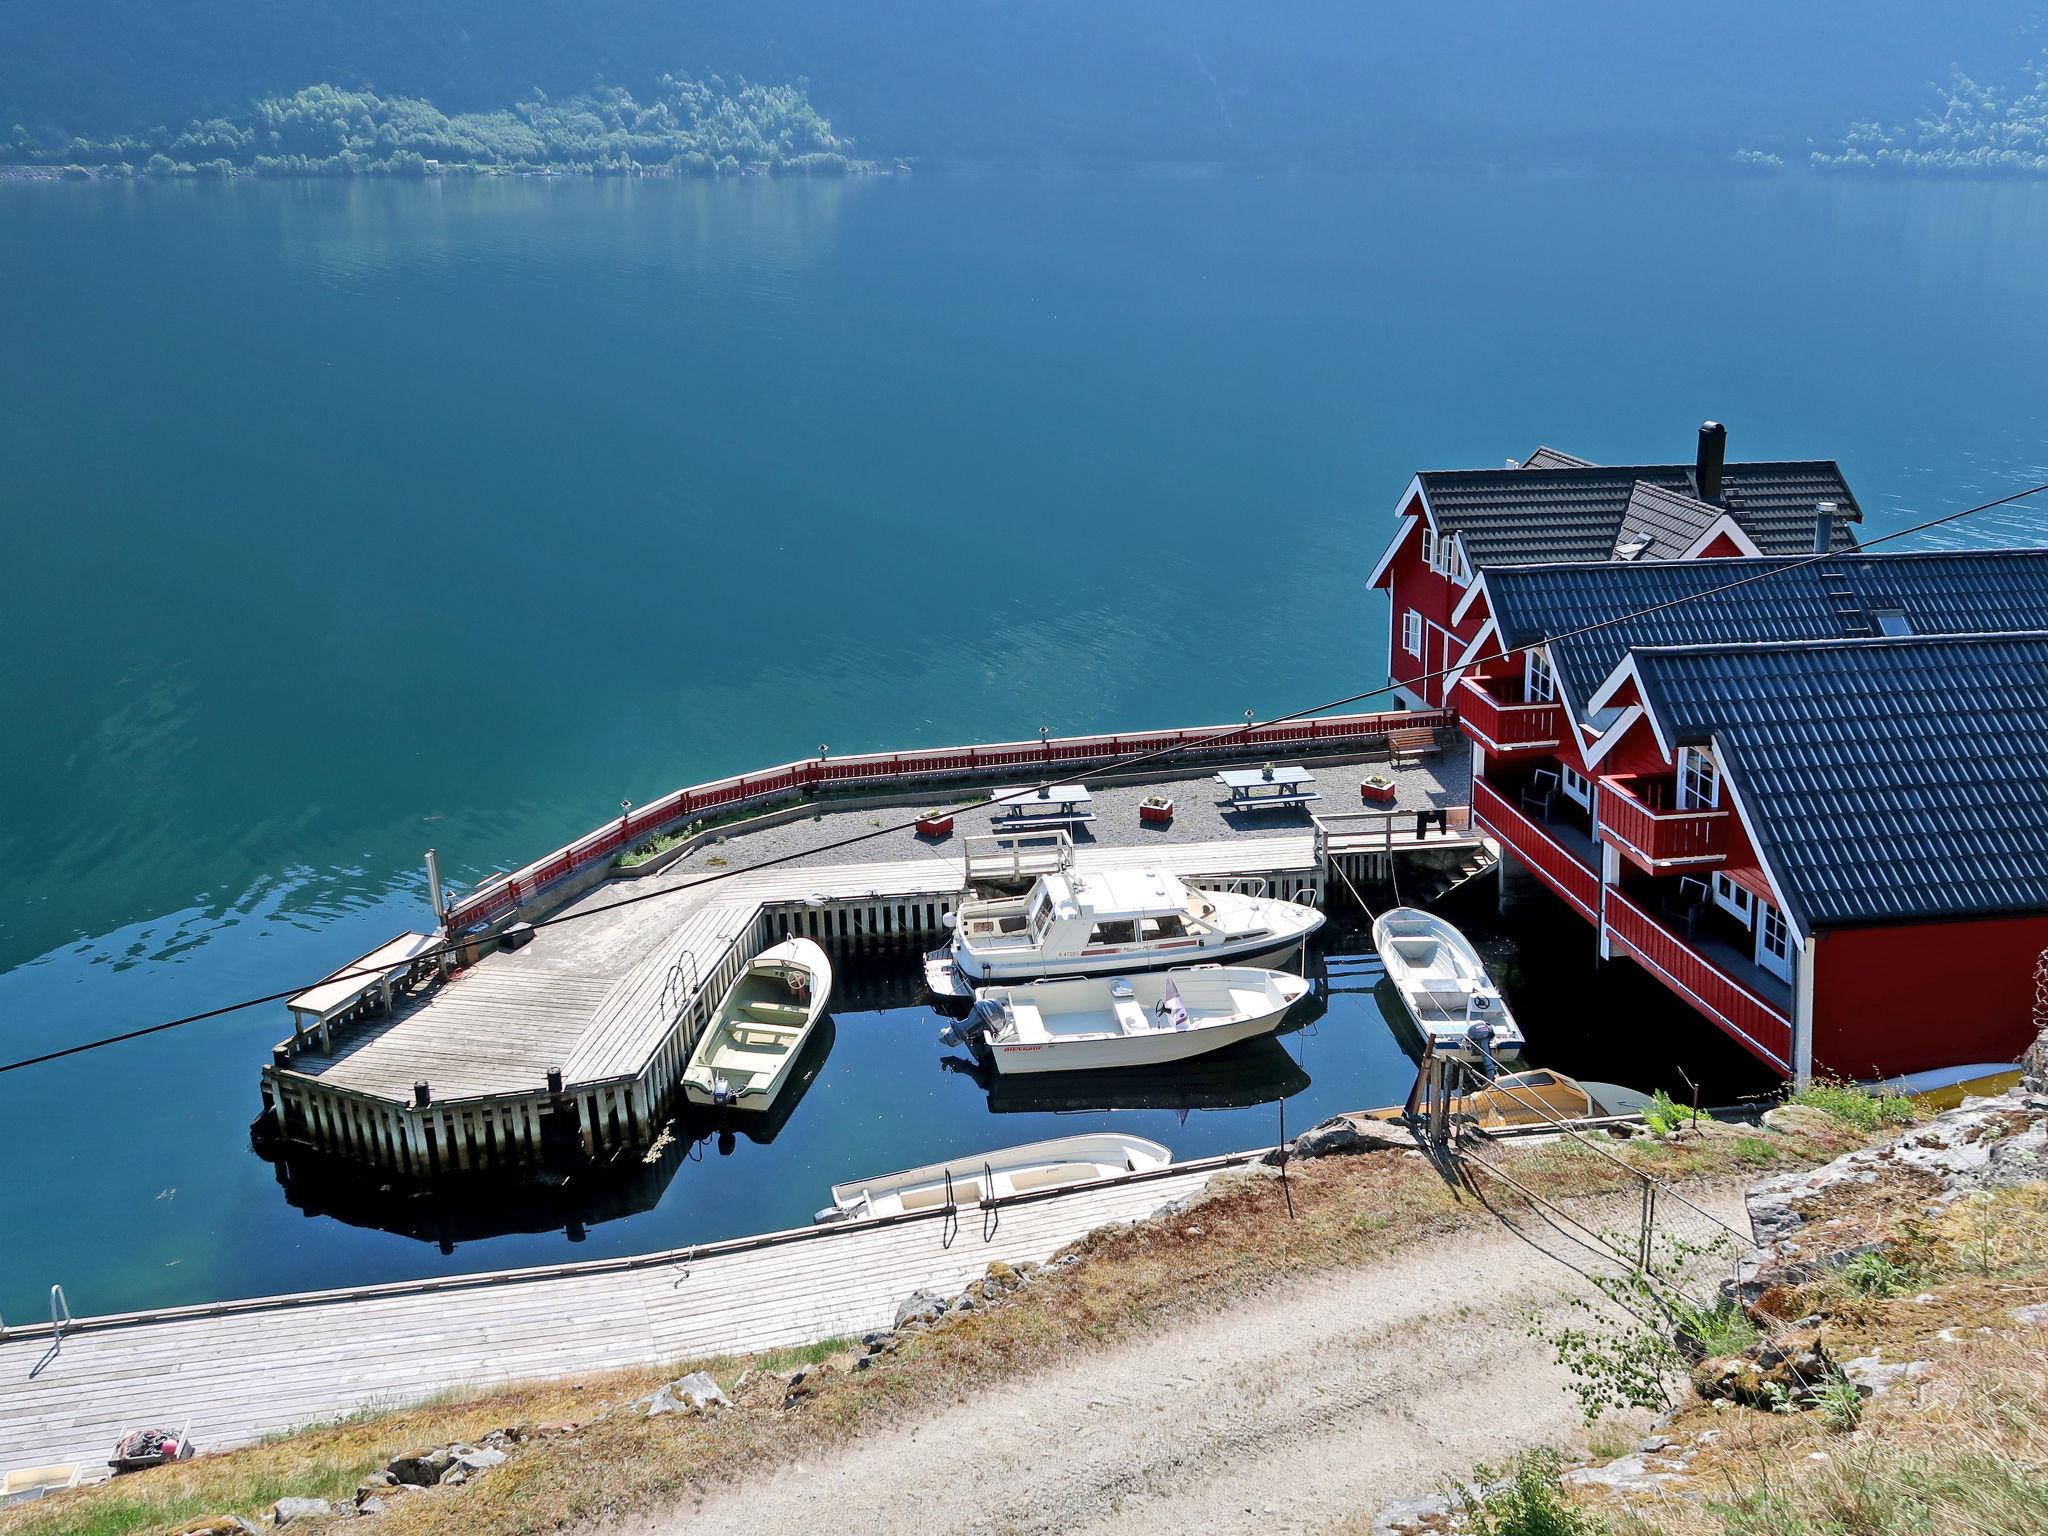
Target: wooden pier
{"x":238,"y":1371}
{"x":571,"y":1046}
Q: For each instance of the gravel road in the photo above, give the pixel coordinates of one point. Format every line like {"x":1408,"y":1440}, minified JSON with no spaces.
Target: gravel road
{"x":1303,"y":1409}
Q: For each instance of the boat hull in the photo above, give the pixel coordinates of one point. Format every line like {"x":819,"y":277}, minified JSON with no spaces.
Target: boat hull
{"x":1131,"y":1051}
{"x":1061,"y":1163}
{"x":946,"y":981}
{"x":1439,"y":991}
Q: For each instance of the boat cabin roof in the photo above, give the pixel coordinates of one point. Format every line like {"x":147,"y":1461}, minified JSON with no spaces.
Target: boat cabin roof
{"x":1115,"y":893}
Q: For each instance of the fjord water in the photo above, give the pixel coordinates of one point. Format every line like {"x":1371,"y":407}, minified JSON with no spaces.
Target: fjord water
{"x":343,"y":519}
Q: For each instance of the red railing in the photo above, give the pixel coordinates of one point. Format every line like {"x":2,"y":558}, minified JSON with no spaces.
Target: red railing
{"x":1556,"y":865}
{"x":1658,"y":839}
{"x":1753,"y":1023}
{"x":1501,"y":726}
{"x":500,"y":895}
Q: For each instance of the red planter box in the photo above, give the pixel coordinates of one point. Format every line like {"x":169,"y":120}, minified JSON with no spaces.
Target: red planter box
{"x":934,"y":826}
{"x":1157,"y":815}
{"x":1378,"y":794}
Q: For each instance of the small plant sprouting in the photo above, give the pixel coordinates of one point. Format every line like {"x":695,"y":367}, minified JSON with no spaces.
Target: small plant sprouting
{"x":1840,"y":1404}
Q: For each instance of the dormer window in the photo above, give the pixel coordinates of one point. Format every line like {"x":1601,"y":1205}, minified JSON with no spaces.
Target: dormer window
{"x":1429,"y":546}
{"x":1699,"y":781}
{"x":1539,"y":683}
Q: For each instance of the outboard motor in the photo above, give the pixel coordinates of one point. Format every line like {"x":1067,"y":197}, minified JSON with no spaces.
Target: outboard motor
{"x":721,"y":1093}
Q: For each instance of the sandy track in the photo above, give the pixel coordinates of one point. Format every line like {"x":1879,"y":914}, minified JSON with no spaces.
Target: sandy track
{"x":1290,"y":1413}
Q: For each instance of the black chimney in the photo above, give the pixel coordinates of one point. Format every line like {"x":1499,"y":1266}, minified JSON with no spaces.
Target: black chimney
{"x":1707,"y":469}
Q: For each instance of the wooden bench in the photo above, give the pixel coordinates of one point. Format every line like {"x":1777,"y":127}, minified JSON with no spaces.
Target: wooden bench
{"x":1406,"y":746}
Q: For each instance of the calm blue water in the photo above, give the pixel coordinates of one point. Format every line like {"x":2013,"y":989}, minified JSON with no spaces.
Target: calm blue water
{"x":341,"y":520}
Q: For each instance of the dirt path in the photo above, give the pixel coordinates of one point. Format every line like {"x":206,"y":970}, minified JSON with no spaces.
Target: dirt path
{"x":1303,"y":1409}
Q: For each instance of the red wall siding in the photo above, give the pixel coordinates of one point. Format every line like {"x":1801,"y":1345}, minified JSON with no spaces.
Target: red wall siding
{"x":1905,"y":999}
{"x":1413,"y":585}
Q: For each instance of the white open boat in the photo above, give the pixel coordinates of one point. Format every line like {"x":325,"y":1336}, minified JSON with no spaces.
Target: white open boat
{"x":1037,"y":1165}
{"x":748,"y":1047}
{"x":1946,"y":1087}
{"x":1109,"y":923}
{"x":1086,"y":1023}
{"x":1439,"y":976}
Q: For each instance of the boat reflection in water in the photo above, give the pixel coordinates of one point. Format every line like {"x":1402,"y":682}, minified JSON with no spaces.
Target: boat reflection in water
{"x":571,"y":1200}
{"x":1254,"y":1072}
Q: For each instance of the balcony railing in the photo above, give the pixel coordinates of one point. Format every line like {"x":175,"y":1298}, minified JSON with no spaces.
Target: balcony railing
{"x":1753,"y":1023}
{"x":1553,"y":863}
{"x":1655,"y":838}
{"x":1506,"y":725}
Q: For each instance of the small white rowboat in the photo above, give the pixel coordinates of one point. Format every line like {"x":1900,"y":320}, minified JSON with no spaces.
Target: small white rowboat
{"x":1037,"y":1165}
{"x":1090,"y":1023}
{"x":1439,"y":976}
{"x":747,"y":1049}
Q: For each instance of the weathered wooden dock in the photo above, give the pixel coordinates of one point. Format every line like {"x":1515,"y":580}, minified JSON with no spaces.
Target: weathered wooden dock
{"x":572,"y":1044}
{"x":240,"y":1370}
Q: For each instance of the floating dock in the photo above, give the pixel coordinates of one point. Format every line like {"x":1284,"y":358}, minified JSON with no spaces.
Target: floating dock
{"x":570,"y":1046}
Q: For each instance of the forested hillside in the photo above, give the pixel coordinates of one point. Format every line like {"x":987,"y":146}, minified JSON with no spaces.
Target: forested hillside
{"x":1612,"y":83}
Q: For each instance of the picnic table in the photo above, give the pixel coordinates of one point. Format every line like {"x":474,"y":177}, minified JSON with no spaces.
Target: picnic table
{"x":1048,"y":805}
{"x":1253,"y":789}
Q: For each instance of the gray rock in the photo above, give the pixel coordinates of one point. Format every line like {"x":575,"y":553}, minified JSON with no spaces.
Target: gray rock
{"x":1654,"y":1444}
{"x":1342,"y":1136}
{"x":1411,"y":1517}
{"x":2035,"y":1316}
{"x":482,"y":1459}
{"x":1873,"y":1379}
{"x":919,"y":1307}
{"x":370,"y":1506}
{"x":285,"y":1511}
{"x":1624,"y":1474}
{"x":694,"y":1393}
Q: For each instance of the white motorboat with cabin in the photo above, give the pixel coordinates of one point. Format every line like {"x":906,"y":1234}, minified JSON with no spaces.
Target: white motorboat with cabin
{"x":1035,"y":1166}
{"x":1089,"y":1023}
{"x":750,"y":1044}
{"x":1439,"y":976}
{"x":1108,"y":923}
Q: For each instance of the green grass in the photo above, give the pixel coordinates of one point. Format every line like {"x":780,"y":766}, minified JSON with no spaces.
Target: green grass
{"x":1721,"y":1329}
{"x":1522,"y":1499}
{"x":1855,"y":1105}
{"x":1873,"y":1274}
{"x":1755,"y":1149}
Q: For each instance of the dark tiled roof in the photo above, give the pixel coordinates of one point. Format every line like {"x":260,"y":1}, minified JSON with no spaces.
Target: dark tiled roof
{"x":1661,"y":525}
{"x":1548,"y":457}
{"x":1946,"y":592}
{"x":1517,"y":516}
{"x":1887,"y":780}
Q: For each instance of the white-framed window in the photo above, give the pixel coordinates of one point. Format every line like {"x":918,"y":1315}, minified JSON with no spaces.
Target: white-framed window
{"x":1735,"y":899}
{"x":1538,"y":681}
{"x":1429,"y":547}
{"x":1699,"y":781}
{"x":1576,"y":784}
{"x":1461,"y":573}
{"x":1411,"y":632}
{"x":1773,"y":941}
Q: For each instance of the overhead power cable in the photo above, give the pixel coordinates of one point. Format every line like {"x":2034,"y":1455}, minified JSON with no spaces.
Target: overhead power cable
{"x":1117,"y":766}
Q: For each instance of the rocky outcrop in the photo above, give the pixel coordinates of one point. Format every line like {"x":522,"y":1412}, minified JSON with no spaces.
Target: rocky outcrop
{"x":1342,"y":1136}
{"x":695,"y":1393}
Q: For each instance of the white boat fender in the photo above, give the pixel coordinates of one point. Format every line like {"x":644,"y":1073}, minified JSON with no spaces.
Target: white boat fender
{"x":949,"y":919}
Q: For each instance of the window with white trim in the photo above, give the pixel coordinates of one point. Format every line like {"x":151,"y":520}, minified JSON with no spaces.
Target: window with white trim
{"x":1576,"y":784}
{"x":1429,"y":547}
{"x":1539,"y":683}
{"x":1411,"y":632}
{"x":1461,"y":573}
{"x":1735,"y":899}
{"x":1773,"y":941}
{"x":1699,"y":781}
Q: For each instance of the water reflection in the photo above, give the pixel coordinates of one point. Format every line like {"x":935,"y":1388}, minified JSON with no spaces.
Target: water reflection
{"x":1253,"y":1072}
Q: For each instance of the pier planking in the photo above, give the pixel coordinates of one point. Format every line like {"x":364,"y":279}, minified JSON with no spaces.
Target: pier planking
{"x":239,"y":1371}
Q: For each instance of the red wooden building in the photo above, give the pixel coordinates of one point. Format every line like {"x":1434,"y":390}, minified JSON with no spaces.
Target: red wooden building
{"x":1554,"y":506}
{"x":1815,"y":806}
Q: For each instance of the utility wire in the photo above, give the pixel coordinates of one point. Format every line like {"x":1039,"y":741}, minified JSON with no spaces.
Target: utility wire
{"x":1117,"y":766}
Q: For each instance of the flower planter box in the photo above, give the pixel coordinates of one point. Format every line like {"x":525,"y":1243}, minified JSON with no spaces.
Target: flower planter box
{"x":1155,"y":815}
{"x":1377,"y":794}
{"x":934,"y":826}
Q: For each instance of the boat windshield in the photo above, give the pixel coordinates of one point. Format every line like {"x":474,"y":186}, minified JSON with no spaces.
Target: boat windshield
{"x":1041,"y":915}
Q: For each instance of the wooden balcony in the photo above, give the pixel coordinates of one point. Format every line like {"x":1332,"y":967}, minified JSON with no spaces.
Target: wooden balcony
{"x":1630,"y":817}
{"x":1554,"y":863}
{"x":1491,"y":712}
{"x":1760,"y":1026}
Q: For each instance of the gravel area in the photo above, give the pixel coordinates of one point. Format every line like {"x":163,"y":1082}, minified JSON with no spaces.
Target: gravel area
{"x":1199,"y":816}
